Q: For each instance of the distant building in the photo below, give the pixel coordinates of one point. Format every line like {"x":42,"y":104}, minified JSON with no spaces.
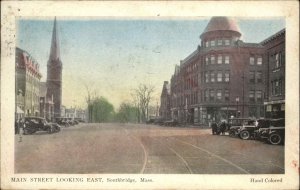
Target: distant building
{"x":275,"y":74}
{"x":164,"y":110}
{"x":75,"y":113}
{"x":54,"y":74}
{"x":223,"y":77}
{"x":27,"y":84}
{"x":46,"y":104}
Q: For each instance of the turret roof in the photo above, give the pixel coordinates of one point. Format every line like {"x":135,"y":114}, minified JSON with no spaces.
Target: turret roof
{"x":222,"y":24}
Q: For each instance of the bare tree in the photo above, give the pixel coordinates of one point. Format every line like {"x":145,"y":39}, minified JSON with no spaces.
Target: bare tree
{"x":142,"y":96}
{"x":90,"y":97}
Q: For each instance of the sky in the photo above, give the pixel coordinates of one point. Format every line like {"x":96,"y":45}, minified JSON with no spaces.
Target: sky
{"x":114,"y":55}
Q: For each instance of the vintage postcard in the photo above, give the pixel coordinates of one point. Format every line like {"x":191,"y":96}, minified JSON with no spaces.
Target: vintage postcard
{"x":149,"y":95}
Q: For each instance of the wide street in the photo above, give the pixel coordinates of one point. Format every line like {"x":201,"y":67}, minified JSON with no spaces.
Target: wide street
{"x":139,"y":148}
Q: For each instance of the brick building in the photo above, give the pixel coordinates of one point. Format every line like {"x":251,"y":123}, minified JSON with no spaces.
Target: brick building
{"x":275,"y":75}
{"x":164,"y":109}
{"x":27,"y":84}
{"x":223,"y":77}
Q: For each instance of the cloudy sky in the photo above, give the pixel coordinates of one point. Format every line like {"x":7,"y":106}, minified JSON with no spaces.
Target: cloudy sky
{"x":114,"y":55}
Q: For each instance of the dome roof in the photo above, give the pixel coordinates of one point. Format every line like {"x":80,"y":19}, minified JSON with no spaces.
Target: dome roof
{"x":221,"y":24}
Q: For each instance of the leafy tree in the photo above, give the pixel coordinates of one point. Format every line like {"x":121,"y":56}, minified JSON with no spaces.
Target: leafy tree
{"x":103,"y":110}
{"x":127,"y":113}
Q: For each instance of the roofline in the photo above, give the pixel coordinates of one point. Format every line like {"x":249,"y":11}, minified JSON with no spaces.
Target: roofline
{"x":274,"y":36}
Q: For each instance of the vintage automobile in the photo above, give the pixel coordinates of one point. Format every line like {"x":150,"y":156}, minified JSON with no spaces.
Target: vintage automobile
{"x":274,"y":133}
{"x":250,"y":131}
{"x":62,"y":121}
{"x":173,"y":122}
{"x":235,"y":125}
{"x":34,"y":124}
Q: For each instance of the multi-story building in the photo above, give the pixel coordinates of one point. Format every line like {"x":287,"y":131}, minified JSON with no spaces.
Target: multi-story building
{"x":275,"y":75}
{"x":165,"y":109}
{"x":27,"y":84}
{"x":223,"y":77}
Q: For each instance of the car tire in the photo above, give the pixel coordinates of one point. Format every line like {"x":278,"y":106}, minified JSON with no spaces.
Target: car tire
{"x":232,"y":133}
{"x":275,"y":139}
{"x":49,"y":130}
{"x":245,"y":135}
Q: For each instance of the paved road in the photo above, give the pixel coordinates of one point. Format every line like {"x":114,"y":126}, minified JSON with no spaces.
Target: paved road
{"x":137,"y":148}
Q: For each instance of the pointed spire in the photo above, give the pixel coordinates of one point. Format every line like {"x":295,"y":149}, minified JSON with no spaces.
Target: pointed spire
{"x":55,"y":50}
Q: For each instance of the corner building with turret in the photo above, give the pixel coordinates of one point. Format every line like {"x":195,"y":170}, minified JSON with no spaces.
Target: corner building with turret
{"x":223,"y":77}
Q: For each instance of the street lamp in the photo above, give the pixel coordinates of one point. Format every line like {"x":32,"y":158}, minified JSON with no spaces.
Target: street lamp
{"x":237,"y":99}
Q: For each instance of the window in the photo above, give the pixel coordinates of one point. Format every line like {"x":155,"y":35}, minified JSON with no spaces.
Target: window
{"x":206,"y":44}
{"x":219,"y":59}
{"x":212,"y":43}
{"x":219,"y":76}
{"x":206,"y":95}
{"x":219,"y":42}
{"x":258,"y":96}
{"x":252,"y":111}
{"x":227,"y":77}
{"x":258,"y":76}
{"x":226,"y":95}
{"x":227,"y":42}
{"x":276,"y":90}
{"x":212,"y":77}
{"x":252,"y":77}
{"x":259,"y":61}
{"x":226,"y":59}
{"x":251,"y":61}
{"x":206,"y":77}
{"x":212,"y":59}
{"x":212,"y":95}
{"x":251,"y":96}
{"x":276,"y":60}
{"x":206,"y":60}
{"x":219,"y":95}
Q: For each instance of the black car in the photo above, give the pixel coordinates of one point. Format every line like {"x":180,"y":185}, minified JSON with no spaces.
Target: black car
{"x":249,"y":130}
{"x":173,"y":122}
{"x":273,"y":133}
{"x":235,"y":125}
{"x":34,"y":124}
{"x":62,"y":121}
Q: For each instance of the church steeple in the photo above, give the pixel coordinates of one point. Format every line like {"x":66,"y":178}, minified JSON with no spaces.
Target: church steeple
{"x":54,"y":73}
{"x":55,"y":50}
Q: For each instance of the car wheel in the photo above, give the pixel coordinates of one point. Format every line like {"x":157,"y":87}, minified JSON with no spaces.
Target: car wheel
{"x":49,"y":130}
{"x":232,"y":133}
{"x":275,"y":139}
{"x":245,"y":135}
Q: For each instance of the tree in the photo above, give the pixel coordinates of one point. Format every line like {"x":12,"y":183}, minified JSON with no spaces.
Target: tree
{"x":127,"y":113}
{"x":103,"y":111}
{"x":142,"y":97}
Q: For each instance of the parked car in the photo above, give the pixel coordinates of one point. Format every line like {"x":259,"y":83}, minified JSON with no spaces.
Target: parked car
{"x":235,"y":125}
{"x":159,"y":121}
{"x":34,"y":124}
{"x":274,"y":133}
{"x":171,"y":123}
{"x":250,"y":131}
{"x":62,"y":121}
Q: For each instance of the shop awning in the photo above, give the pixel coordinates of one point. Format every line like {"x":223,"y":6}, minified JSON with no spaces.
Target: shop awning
{"x":19,"y":110}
